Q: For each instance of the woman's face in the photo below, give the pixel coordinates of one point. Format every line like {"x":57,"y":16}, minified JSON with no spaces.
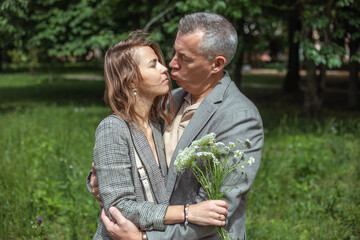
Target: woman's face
{"x":154,"y":74}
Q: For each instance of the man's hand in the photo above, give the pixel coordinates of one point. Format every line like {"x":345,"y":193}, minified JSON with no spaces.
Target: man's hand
{"x":122,"y":228}
{"x":95,"y":186}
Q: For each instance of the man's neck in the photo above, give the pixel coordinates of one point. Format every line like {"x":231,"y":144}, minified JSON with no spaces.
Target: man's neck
{"x":197,"y":98}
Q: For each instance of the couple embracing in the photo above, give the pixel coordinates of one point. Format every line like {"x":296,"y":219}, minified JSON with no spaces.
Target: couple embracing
{"x":135,"y":147}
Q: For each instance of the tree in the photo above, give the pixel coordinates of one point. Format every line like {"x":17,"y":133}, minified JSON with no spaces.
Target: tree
{"x":292,"y":79}
{"x":13,"y":28}
{"x":320,"y":49}
{"x":347,"y":26}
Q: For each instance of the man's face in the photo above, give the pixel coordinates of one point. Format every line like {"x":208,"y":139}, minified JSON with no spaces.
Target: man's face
{"x":190,"y":69}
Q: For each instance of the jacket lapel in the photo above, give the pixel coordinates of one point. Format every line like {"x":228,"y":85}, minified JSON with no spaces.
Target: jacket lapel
{"x":155,"y":175}
{"x":160,"y":148}
{"x":201,"y":117}
{"x":178,"y":96}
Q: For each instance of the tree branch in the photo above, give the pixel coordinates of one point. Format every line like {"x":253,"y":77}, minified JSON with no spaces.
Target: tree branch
{"x":282,"y":7}
{"x":157,"y":17}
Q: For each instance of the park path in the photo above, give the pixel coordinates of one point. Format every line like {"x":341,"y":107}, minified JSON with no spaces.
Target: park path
{"x":334,"y":75}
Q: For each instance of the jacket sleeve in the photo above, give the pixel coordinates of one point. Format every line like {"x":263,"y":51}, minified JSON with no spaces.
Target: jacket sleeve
{"x":115,"y":176}
{"x":230,"y":126}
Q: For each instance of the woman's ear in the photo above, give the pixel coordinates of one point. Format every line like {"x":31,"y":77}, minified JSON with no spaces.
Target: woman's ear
{"x":132,"y":85}
{"x":218,"y":63}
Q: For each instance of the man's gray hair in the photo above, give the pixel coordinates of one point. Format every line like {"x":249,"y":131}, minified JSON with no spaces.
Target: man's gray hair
{"x":220,"y":37}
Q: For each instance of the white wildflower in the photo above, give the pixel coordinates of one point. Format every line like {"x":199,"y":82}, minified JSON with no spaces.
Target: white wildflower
{"x":205,"y":140}
{"x":184,"y":159}
{"x":208,"y":155}
{"x":238,"y":154}
{"x":231,"y":144}
{"x":219,"y":148}
{"x":220,"y":145}
{"x":251,"y":161}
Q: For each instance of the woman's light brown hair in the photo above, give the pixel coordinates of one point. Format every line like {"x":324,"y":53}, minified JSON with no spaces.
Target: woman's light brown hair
{"x":121,"y":70}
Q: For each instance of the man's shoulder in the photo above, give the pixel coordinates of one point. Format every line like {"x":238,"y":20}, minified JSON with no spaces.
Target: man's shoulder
{"x":232,"y":98}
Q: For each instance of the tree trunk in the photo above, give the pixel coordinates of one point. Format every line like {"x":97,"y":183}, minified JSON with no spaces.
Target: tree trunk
{"x":353,"y":89}
{"x":312,"y":101}
{"x":321,"y":81}
{"x":238,"y":66}
{"x":239,"y":56}
{"x":1,"y":59}
{"x":291,"y":81}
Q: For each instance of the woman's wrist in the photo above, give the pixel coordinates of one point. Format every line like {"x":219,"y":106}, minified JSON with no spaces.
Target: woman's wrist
{"x":174,"y":214}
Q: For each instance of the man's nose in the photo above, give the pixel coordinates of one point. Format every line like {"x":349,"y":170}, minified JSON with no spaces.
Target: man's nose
{"x":173,"y":63}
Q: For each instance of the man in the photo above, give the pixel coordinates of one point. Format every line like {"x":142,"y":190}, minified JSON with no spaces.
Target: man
{"x":208,"y":101}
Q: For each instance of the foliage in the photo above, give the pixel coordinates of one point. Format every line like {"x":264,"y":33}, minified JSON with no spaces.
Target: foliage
{"x":13,"y":18}
{"x":328,"y":24}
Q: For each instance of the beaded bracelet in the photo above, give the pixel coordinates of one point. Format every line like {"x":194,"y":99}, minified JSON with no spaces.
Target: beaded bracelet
{"x":143,"y":236}
{"x":186,"y":216}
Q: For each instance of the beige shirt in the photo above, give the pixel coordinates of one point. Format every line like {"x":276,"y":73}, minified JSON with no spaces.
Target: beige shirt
{"x":174,"y":131}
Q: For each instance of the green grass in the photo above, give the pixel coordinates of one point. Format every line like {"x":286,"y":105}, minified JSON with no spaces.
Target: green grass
{"x":307,"y":186}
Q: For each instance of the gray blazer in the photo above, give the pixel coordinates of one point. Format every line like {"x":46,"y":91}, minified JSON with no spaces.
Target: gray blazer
{"x":119,"y":184}
{"x":231,"y":116}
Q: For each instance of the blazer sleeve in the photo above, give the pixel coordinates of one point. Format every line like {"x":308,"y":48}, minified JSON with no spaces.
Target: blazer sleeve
{"x":229,"y":126}
{"x":116,"y":182}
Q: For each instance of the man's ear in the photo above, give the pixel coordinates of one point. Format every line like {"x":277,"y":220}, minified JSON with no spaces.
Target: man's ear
{"x":218,"y":64}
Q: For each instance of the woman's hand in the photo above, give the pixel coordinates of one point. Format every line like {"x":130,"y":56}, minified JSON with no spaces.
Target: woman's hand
{"x":211,"y":212}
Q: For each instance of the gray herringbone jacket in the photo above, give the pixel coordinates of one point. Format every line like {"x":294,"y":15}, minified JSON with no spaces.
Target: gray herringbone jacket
{"x":119,"y":184}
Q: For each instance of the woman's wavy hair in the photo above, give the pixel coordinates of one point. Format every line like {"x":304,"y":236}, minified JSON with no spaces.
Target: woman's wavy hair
{"x":121,"y":69}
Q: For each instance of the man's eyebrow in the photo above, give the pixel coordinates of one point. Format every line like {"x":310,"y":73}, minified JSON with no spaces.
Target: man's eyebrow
{"x":183,"y":55}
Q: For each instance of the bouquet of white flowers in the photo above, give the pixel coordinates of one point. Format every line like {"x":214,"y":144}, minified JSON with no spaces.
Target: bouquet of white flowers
{"x":211,"y":163}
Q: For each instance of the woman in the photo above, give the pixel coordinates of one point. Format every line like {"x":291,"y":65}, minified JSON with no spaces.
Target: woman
{"x":137,"y":92}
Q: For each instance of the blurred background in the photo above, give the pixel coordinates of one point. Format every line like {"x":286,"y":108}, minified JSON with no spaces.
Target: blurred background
{"x":298,"y":61}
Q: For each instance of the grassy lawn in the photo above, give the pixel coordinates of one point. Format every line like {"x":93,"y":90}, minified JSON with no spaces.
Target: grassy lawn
{"x":307,"y":186}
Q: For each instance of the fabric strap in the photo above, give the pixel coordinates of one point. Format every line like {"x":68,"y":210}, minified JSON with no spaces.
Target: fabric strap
{"x":142,"y":174}
{"x":143,"y":178}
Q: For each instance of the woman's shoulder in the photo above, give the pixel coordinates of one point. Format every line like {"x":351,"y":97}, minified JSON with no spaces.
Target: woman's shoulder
{"x":112,"y":123}
{"x":113,"y":119}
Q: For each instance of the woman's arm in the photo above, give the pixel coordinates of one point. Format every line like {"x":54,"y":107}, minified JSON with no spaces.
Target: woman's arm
{"x":114,"y":172}
{"x":211,"y":212}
